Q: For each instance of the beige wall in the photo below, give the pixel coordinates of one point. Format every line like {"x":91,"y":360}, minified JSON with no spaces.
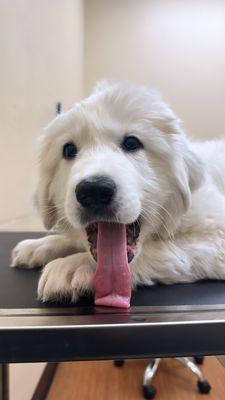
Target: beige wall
{"x":176,"y":46}
{"x":23,"y":379}
{"x":41,"y":50}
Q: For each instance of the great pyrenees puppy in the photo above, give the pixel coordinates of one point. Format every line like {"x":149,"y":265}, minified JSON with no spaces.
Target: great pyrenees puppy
{"x":118,"y":179}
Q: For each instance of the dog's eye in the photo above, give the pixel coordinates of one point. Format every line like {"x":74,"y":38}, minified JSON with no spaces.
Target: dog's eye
{"x":131,"y":143}
{"x":69,"y":151}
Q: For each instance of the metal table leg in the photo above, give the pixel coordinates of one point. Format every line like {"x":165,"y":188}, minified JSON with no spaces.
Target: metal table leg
{"x":4,"y":382}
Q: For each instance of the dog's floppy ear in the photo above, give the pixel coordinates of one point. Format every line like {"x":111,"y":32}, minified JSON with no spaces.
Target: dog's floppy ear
{"x":186,"y":176}
{"x":45,"y":205}
{"x":194,"y":168}
{"x":43,"y":199}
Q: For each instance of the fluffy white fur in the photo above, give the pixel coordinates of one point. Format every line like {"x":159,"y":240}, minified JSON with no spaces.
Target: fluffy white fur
{"x":176,"y":186}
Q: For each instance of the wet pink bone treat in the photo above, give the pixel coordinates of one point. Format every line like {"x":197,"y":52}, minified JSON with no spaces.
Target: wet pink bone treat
{"x":112,"y":279}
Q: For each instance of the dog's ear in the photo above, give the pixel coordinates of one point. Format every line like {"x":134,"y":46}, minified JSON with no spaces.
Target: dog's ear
{"x":45,"y":205}
{"x":194,"y":169}
{"x":186,"y":175}
{"x":43,"y":199}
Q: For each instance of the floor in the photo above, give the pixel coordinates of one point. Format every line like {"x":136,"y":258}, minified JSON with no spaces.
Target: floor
{"x":102,"y":381}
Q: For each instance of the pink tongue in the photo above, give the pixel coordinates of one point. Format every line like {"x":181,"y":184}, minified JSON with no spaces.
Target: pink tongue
{"x":112,"y":279}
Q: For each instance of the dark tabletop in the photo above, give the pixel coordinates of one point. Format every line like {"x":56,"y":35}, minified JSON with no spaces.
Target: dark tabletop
{"x":18,"y":287}
{"x":163,"y":321}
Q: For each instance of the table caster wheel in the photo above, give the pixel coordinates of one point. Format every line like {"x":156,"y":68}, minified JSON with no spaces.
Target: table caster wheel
{"x":119,"y":363}
{"x":199,"y":360}
{"x":204,"y":387}
{"x":149,"y":392}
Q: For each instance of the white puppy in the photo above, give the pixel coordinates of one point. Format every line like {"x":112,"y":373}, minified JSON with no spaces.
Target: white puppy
{"x":121,"y":156}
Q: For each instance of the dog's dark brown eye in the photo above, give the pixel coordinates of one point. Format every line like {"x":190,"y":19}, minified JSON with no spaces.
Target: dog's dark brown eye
{"x":69,"y":151}
{"x":131,"y":143}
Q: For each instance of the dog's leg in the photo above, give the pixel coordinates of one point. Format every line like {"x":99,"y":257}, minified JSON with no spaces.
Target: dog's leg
{"x":186,"y":260}
{"x":68,"y":277}
{"x":38,"y":252}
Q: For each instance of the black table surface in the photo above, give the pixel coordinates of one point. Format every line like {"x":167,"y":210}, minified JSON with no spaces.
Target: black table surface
{"x":163,"y":320}
{"x":18,"y":286}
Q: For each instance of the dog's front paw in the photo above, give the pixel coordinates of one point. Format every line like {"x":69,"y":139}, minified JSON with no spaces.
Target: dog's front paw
{"x":31,"y":253}
{"x":38,"y":252}
{"x":66,"y":278}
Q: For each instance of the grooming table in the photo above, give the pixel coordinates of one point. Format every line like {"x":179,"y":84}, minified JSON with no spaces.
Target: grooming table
{"x":163,"y":321}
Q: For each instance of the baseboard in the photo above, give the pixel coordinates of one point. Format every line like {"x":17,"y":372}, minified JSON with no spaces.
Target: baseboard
{"x":45,"y":381}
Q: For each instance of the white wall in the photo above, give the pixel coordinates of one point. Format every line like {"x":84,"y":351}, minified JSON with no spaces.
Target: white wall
{"x":176,"y":46}
{"x":41,"y":50}
{"x":23,"y":379}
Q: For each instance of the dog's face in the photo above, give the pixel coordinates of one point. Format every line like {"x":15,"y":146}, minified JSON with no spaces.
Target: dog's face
{"x":117,"y":156}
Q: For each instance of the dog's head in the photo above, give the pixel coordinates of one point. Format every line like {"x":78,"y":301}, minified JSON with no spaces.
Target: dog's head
{"x":119,"y":155}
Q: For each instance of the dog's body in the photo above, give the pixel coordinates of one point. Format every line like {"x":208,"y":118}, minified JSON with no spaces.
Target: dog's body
{"x":127,"y":138}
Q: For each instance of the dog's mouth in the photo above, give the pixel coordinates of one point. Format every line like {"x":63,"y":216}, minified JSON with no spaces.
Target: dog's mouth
{"x":132,"y":235}
{"x":113,"y":246}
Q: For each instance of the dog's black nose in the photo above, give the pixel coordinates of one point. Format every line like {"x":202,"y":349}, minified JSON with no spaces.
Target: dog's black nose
{"x":95,"y":192}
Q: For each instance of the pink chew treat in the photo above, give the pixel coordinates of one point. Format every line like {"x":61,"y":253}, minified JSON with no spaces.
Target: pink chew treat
{"x":112,"y":279}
